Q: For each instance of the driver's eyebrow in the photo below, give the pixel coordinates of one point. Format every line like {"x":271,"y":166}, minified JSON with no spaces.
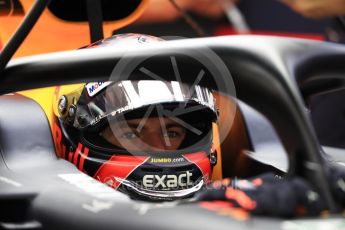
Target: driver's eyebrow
{"x":132,"y":125}
{"x":174,"y":125}
{"x":135,"y":124}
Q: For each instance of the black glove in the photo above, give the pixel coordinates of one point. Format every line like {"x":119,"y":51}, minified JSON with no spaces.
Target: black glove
{"x":266,"y":195}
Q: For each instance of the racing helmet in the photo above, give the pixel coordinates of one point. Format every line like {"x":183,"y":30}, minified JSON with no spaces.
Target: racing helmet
{"x":151,"y":139}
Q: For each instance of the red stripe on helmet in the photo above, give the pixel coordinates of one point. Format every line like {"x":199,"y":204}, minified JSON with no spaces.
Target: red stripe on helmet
{"x":70,"y":156}
{"x":201,"y":160}
{"x":83,"y":156}
{"x":118,"y":166}
{"x":76,"y":153}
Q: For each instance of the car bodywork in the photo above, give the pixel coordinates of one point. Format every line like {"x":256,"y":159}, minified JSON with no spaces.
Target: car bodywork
{"x":61,"y":20}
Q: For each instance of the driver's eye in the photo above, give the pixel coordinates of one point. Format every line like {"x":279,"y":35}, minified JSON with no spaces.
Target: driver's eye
{"x":171,"y":134}
{"x":129,"y":135}
{"x":174,"y":133}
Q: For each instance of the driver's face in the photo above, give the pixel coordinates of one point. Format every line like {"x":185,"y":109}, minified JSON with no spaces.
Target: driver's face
{"x":153,"y":134}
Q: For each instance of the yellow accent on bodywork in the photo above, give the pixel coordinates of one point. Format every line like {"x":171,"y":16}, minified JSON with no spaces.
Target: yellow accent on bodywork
{"x":47,"y":98}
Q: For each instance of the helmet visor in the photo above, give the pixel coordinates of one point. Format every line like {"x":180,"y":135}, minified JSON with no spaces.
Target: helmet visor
{"x":146,"y":115}
{"x":107,"y":99}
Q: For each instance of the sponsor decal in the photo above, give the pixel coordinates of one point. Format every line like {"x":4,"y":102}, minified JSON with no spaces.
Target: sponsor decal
{"x":160,"y":160}
{"x":83,"y":156}
{"x":94,"y":87}
{"x":167,"y":160}
{"x":121,"y":110}
{"x":59,"y":145}
{"x":168,"y":181}
{"x":78,"y":156}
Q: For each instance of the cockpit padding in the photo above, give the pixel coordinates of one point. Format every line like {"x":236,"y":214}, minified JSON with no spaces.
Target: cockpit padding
{"x":25,"y":136}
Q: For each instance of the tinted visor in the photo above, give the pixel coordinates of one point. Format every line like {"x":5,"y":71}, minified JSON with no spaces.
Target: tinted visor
{"x":106,"y":99}
{"x":145,"y":115}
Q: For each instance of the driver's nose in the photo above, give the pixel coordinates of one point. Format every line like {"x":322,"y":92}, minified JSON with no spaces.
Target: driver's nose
{"x":156,"y":141}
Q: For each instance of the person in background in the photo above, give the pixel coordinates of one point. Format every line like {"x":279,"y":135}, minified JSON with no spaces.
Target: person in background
{"x":317,"y":8}
{"x":168,"y":17}
{"x":301,"y":18}
{"x":163,"y":11}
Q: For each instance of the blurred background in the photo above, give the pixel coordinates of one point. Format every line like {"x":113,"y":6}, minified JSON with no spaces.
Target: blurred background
{"x":314,"y":19}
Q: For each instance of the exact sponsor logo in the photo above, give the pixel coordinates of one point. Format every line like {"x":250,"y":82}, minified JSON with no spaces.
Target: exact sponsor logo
{"x":168,"y":181}
{"x":94,"y":87}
